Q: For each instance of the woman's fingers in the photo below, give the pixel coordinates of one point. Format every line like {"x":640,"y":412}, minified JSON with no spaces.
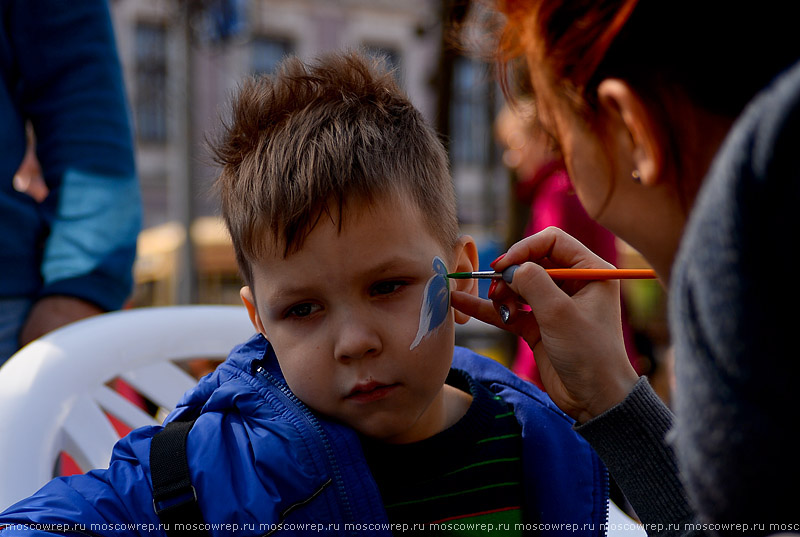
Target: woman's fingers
{"x":519,"y":322}
{"x":475,"y":307}
{"x":554,"y":246}
{"x":574,"y":326}
{"x":534,"y":286}
{"x":586,"y":369}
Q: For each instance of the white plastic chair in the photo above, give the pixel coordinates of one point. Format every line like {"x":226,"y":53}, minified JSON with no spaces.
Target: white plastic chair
{"x":622,"y":525}
{"x":55,"y":393}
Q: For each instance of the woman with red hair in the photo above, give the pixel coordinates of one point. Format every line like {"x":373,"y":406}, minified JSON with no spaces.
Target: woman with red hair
{"x":679,"y":125}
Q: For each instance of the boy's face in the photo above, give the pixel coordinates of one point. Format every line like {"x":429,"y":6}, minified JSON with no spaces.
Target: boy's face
{"x":343,"y":315}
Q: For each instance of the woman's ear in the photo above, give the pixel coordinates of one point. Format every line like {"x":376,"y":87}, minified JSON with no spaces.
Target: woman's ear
{"x":466,"y":256}
{"x":633,"y":129}
{"x":252,"y":311}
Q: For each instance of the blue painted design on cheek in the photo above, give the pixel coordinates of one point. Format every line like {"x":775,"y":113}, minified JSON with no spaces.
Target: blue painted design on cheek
{"x":435,"y":302}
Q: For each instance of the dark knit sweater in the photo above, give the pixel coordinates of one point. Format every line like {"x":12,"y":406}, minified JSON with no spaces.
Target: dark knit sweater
{"x":732,"y":322}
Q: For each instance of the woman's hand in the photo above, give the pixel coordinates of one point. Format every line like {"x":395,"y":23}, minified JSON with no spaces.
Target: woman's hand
{"x":53,"y":312}
{"x":573,"y":327}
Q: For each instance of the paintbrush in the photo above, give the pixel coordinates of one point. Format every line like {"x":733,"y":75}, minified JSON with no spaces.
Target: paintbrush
{"x":562,"y":274}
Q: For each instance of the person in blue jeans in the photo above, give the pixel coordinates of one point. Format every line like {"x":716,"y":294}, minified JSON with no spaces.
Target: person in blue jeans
{"x":70,"y":255}
{"x":351,"y":409}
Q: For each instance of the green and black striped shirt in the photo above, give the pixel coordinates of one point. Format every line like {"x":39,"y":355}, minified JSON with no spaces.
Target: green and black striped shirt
{"x":462,"y":478}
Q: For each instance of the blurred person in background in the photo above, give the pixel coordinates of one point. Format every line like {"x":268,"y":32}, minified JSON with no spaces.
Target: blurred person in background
{"x":66,"y":250}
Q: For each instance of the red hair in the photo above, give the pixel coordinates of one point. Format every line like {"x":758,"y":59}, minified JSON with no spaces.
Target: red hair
{"x":574,"y":39}
{"x":716,"y":55}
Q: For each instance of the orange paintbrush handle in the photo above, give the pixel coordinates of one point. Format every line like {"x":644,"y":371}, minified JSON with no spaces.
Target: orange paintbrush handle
{"x":562,"y":274}
{"x":601,"y":274}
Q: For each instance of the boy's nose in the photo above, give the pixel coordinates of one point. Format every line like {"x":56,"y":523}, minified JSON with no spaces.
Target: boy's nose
{"x":357,"y":338}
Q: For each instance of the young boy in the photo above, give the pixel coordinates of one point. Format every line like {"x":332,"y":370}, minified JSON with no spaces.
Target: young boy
{"x":351,"y":411}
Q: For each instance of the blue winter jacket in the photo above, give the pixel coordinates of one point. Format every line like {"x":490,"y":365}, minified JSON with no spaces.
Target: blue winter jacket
{"x":259,"y":457}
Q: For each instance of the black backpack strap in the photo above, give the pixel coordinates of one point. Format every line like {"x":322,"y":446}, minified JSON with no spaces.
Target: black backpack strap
{"x":174,"y":497}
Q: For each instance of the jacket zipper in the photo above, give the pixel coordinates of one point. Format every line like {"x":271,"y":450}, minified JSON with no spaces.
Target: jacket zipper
{"x":323,"y":437}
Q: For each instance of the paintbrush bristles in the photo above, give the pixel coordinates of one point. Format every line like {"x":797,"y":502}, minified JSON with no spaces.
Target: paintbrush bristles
{"x":474,"y":275}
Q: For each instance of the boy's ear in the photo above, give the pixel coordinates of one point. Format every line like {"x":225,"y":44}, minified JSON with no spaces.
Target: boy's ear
{"x":250,"y":305}
{"x":466,"y":256}
{"x":633,"y":126}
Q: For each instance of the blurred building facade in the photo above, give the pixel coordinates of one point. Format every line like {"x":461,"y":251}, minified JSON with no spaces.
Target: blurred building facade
{"x":183,"y":58}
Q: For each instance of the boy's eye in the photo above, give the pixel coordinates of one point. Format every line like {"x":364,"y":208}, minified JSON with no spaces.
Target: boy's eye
{"x":301,"y":310}
{"x":387,"y":287}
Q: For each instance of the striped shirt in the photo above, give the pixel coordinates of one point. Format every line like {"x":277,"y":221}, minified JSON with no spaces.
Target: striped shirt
{"x":461,"y":481}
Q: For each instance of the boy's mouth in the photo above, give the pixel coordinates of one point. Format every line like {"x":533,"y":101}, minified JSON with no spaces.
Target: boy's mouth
{"x":365,"y":392}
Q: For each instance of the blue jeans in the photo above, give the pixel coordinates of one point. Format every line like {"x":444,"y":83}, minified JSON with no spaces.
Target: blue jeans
{"x":13,"y":312}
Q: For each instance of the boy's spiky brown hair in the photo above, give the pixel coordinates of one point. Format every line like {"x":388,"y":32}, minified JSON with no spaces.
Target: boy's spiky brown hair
{"x":315,"y":137}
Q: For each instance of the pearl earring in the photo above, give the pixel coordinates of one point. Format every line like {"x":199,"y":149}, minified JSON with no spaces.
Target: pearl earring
{"x":636,"y":176}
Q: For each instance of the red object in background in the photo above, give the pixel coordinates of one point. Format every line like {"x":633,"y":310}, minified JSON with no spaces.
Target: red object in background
{"x":67,"y":466}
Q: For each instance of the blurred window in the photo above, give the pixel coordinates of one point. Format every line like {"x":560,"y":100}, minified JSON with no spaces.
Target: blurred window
{"x":470,"y":113}
{"x":268,"y":52}
{"x":151,"y":82}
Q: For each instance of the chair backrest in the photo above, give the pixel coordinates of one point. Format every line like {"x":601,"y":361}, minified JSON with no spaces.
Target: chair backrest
{"x":56,"y":395}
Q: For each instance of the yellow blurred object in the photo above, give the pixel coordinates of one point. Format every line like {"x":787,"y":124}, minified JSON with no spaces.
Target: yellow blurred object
{"x":155,"y":270}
